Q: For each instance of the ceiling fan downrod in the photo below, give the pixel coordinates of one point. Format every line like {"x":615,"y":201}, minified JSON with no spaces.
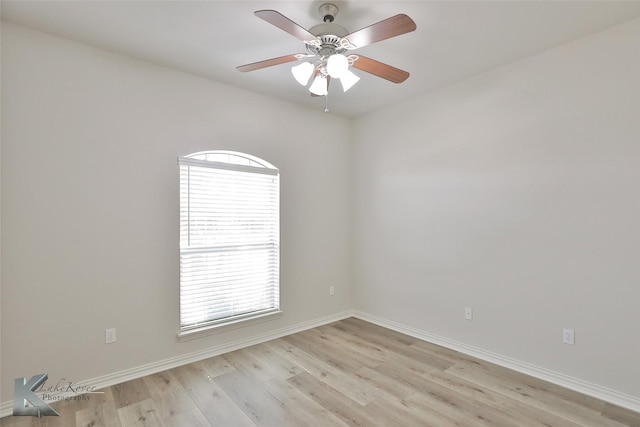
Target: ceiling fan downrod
{"x":328,"y":12}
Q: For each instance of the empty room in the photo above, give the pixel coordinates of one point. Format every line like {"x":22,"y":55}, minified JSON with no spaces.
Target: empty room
{"x":320,"y":213}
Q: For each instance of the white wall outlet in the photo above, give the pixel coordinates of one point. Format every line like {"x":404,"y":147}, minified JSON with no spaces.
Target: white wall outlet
{"x":568,"y":336}
{"x":468,"y":313}
{"x":110,"y":336}
{"x":332,"y":290}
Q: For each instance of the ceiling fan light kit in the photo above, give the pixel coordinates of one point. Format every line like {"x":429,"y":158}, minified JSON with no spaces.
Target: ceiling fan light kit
{"x":328,"y":42}
{"x":320,"y":85}
{"x":348,"y":79}
{"x":302,"y":72}
{"x":337,"y":64}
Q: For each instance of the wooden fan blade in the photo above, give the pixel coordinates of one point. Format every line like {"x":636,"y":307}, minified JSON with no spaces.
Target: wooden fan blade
{"x":285,"y":24}
{"x":390,"y":27}
{"x":380,"y":69}
{"x":267,"y":63}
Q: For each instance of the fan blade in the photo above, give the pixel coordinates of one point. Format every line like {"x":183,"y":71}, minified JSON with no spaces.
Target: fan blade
{"x":269,"y":62}
{"x":390,"y":27}
{"x":380,"y":69}
{"x":285,"y":24}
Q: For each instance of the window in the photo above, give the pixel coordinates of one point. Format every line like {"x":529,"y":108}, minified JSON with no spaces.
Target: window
{"x":229,"y":239}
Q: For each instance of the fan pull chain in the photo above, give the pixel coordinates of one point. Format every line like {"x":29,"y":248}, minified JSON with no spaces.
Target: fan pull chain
{"x":326,"y":103}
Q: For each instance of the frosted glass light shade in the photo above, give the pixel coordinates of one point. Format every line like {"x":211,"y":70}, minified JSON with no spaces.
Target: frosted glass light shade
{"x":302,"y":72}
{"x":319,"y":85}
{"x":348,"y":79}
{"x":336,"y":65}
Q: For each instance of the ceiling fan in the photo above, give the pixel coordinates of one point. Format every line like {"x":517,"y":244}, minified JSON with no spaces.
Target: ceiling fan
{"x":330,"y":45}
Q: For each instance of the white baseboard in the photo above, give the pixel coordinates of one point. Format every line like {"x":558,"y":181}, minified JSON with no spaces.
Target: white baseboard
{"x":603,"y":393}
{"x":6,"y":408}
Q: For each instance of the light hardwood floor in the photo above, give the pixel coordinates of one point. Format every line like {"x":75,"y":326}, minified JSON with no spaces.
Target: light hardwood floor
{"x":348,"y":373}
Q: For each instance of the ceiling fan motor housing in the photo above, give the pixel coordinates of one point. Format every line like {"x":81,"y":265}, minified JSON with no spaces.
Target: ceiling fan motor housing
{"x":326,"y":45}
{"x":329,"y":35}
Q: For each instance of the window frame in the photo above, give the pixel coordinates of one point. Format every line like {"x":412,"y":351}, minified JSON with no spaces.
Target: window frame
{"x":243,"y":163}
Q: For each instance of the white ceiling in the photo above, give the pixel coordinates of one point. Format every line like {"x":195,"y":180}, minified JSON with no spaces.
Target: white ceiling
{"x":454,"y":39}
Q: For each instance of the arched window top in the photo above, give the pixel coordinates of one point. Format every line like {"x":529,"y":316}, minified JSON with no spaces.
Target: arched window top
{"x":231,"y":158}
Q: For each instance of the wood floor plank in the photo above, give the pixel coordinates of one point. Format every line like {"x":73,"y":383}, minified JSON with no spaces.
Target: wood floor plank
{"x":428,"y":408}
{"x":345,"y":382}
{"x":279,"y":366}
{"x":386,"y":384}
{"x":252,"y":401}
{"x":471,"y":392}
{"x":553,"y":391}
{"x":313,"y":344}
{"x":359,"y":326}
{"x":162,"y":382}
{"x":213,"y":402}
{"x":301,"y":408}
{"x":11,"y":421}
{"x":140,"y":414}
{"x":346,"y":409}
{"x":622,"y":415}
{"x":392,"y":411}
{"x":68,"y":408}
{"x":103,"y":415}
{"x":360,"y":350}
{"x":192,"y":418}
{"x":214,"y":366}
{"x":445,"y":400}
{"x":243,"y":361}
{"x":130,"y":392}
{"x":173,"y":401}
{"x":531,"y":395}
{"x":395,"y":343}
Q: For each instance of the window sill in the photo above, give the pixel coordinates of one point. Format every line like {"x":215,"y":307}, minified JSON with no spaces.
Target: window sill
{"x":227,"y":326}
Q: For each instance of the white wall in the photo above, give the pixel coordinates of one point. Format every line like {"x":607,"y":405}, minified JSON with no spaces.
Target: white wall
{"x":516,"y":193}
{"x":90,"y":204}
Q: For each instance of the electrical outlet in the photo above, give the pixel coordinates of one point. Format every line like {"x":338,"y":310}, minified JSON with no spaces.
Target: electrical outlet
{"x":332,"y":290}
{"x":568,"y":336}
{"x":468,"y":313}
{"x":110,"y":336}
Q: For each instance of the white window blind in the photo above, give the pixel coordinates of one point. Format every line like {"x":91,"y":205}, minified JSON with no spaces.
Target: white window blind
{"x":229,"y":239}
